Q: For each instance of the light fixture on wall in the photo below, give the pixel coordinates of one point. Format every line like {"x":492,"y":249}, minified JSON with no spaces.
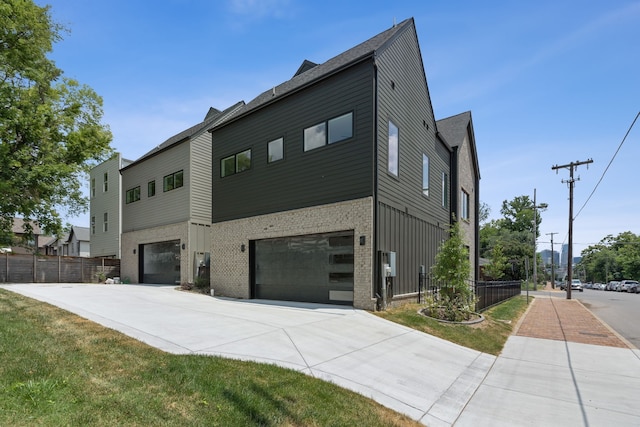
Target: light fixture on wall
{"x":242,"y":247}
{"x":134,"y":251}
{"x":363,"y":240}
{"x":184,"y":246}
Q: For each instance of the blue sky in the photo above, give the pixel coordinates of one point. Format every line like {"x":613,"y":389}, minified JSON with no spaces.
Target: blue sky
{"x":548,"y":82}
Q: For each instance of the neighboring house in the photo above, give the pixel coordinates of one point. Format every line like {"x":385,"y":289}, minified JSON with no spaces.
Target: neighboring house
{"x":105,"y":211}
{"x":78,"y":243}
{"x":322,"y":182}
{"x":465,"y":181}
{"x":166,"y":207}
{"x":21,"y":243}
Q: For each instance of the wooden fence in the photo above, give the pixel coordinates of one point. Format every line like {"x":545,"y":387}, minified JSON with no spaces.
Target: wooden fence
{"x":19,"y":268}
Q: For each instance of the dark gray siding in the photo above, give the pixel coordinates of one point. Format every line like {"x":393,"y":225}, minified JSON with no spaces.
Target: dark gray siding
{"x":337,"y":172}
{"x":409,"y":223}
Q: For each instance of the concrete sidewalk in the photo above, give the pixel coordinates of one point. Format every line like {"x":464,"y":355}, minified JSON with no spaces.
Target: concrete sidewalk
{"x":541,"y":380}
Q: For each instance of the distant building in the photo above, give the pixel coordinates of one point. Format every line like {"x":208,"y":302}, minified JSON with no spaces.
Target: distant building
{"x":547,"y":256}
{"x":22,"y":244}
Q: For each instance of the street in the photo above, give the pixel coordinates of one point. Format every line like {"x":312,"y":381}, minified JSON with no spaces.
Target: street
{"x":617,"y":309}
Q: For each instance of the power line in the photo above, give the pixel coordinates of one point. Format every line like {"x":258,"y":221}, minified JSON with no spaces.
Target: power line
{"x":607,"y":168}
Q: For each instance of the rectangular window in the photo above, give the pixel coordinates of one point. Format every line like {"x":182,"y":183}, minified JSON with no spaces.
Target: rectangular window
{"x":425,"y":175}
{"x":93,"y":225}
{"x":445,"y":190}
{"x":237,"y":163}
{"x":341,"y":128}
{"x":464,"y":205}
{"x":393,"y":148}
{"x":315,"y":136}
{"x":105,"y":185}
{"x":172,"y":181}
{"x":275,"y":150}
{"x":93,"y":187}
{"x":151,"y":188}
{"x":133,"y":195}
{"x":329,"y":132}
{"x":105,"y":222}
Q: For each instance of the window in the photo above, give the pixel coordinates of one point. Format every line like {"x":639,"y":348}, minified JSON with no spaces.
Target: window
{"x":93,"y":225}
{"x":237,"y":163}
{"x":133,"y":195}
{"x":445,"y":190}
{"x":275,"y":150}
{"x":393,"y":148}
{"x":105,"y":185}
{"x":339,"y":129}
{"x":151,"y":188}
{"x":105,"y":223}
{"x":315,"y":137}
{"x":172,"y":181}
{"x":93,"y":187}
{"x":464,"y":205}
{"x":425,"y":175}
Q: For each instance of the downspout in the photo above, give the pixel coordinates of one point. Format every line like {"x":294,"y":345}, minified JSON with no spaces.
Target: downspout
{"x":376,"y":267}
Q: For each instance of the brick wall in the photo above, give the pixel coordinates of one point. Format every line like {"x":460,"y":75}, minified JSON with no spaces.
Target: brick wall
{"x":230,"y":266}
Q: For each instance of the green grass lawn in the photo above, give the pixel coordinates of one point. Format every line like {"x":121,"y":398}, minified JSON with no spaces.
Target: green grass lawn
{"x":59,"y":369}
{"x":488,"y":336}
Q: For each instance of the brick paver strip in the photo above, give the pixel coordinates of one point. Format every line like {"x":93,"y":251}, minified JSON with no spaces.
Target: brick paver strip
{"x":566,"y":320}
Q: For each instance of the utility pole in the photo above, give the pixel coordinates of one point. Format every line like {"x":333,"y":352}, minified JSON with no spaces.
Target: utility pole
{"x":571,"y":166}
{"x":535,"y":238}
{"x":553,"y":274}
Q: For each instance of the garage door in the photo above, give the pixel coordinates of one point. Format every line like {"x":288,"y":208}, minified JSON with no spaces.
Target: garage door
{"x":160,"y":262}
{"x":310,"y":268}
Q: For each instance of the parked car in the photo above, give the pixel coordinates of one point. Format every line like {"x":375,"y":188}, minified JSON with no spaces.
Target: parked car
{"x":576,"y":285}
{"x":628,"y":286}
{"x":612,"y":285}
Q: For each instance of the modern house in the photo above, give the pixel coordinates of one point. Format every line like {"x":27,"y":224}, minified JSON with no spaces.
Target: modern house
{"x":465,"y":181}
{"x":106,"y":207}
{"x":336,"y":185}
{"x":78,"y":243}
{"x":166,"y":207}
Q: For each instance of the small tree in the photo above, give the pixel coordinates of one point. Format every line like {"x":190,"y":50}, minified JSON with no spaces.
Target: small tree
{"x":499,"y":262}
{"x":452,"y":270}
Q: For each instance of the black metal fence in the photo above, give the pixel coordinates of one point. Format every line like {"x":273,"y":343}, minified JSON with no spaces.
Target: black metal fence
{"x":25,"y":268}
{"x":487,"y":294}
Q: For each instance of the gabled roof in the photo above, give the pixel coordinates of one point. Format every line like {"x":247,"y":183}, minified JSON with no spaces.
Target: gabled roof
{"x":212,"y":118}
{"x":455,"y":129}
{"x":18,"y":226}
{"x":82,"y":234}
{"x":313,"y":74}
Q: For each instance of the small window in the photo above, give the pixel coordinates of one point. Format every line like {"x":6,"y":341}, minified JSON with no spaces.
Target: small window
{"x":93,"y":187}
{"x":341,"y":128}
{"x":315,"y":136}
{"x":464,"y":205}
{"x":425,"y":175}
{"x":393,"y":148}
{"x":237,"y":163}
{"x":445,"y":190}
{"x":105,"y":222}
{"x":172,"y":181}
{"x":243,"y":161}
{"x":93,"y":225}
{"x":105,"y":185}
{"x":151,"y":188}
{"x":133,"y":195}
{"x":275,"y":150}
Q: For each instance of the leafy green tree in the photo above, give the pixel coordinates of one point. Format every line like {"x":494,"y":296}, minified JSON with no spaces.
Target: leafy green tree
{"x":452,"y":270}
{"x":498,"y":265}
{"x":50,"y":128}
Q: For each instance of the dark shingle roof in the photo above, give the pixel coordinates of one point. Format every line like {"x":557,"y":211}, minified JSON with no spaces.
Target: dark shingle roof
{"x":454,"y":128}
{"x":320,"y":71}
{"x":212,"y":118}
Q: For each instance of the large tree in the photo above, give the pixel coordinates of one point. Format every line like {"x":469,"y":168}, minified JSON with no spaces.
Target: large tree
{"x":50,"y":129}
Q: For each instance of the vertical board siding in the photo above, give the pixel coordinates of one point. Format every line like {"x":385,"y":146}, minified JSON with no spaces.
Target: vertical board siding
{"x":336,"y":172}
{"x":163,"y":208}
{"x":415,"y":242}
{"x":200,"y":182}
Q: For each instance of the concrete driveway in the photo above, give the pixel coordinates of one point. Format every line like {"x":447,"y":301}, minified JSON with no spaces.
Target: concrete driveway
{"x":424,"y":377}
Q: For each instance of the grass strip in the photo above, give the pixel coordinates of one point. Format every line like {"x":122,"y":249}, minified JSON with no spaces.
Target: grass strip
{"x":60,"y":369}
